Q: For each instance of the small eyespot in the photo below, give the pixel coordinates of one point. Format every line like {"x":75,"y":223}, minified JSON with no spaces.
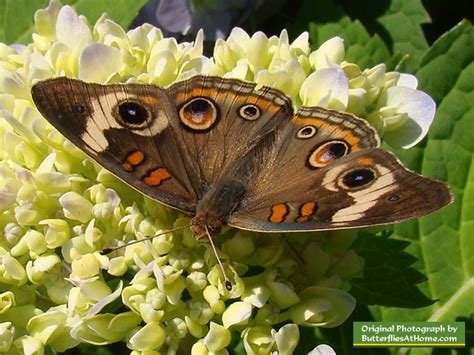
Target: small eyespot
{"x":357,"y":178}
{"x":79,"y":108}
{"x":249,"y":112}
{"x":394,"y":198}
{"x":306,"y":132}
{"x":198,"y":114}
{"x":133,"y":113}
{"x":327,"y":153}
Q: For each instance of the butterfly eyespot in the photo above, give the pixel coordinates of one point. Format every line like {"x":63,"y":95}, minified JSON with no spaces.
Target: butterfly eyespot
{"x":79,"y":108}
{"x":306,"y":132}
{"x":249,"y":112}
{"x":133,"y":113}
{"x":198,"y":114}
{"x":327,"y":153}
{"x":394,"y":198}
{"x":357,"y":178}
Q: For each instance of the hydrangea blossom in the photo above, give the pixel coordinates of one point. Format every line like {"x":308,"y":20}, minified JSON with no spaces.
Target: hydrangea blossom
{"x":59,"y":209}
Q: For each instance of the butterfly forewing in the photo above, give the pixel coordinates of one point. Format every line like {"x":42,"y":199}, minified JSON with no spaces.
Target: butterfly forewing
{"x":126,"y":129}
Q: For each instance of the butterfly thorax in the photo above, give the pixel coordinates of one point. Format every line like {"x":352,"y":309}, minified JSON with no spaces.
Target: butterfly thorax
{"x":216,"y":206}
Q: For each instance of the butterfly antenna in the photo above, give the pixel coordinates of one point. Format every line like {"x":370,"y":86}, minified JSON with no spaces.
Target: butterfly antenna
{"x":228,"y":284}
{"x":110,"y":250}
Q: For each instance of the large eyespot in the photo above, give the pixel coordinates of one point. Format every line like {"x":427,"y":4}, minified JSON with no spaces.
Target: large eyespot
{"x":249,"y":112}
{"x":198,"y":114}
{"x":306,"y":132}
{"x":356,"y":178}
{"x":133,"y":114}
{"x":327,"y":153}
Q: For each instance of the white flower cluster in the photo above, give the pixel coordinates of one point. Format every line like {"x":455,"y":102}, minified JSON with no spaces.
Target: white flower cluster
{"x":59,"y":210}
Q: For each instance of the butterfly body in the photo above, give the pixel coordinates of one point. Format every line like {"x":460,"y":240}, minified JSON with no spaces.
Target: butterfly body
{"x":229,"y":154}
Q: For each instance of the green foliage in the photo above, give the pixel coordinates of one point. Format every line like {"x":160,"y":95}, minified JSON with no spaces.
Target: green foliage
{"x":443,"y":242}
{"x":329,"y":20}
{"x":394,"y":32}
{"x":402,"y":22}
{"x":16,"y":16}
{"x":388,"y":275}
{"x":16,"y":19}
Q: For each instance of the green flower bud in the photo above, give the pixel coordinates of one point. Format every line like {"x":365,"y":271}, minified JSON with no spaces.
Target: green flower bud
{"x":149,"y":337}
{"x":107,"y":328}
{"x":76,"y":207}
{"x":38,"y":268}
{"x":258,"y":340}
{"x":11,"y":271}
{"x":200,"y":312}
{"x":282,"y":294}
{"x":237,"y":313}
{"x":7,"y":301}
{"x":117,"y":266}
{"x":287,"y":339}
{"x":51,"y":329}
{"x":29,"y":345}
{"x":85,"y":266}
{"x":56,"y":232}
{"x":217,"y":338}
{"x":7,"y":332}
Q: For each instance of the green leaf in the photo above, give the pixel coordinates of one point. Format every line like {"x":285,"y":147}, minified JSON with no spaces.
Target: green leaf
{"x":16,"y":16}
{"x":327,"y":19}
{"x":444,"y":241}
{"x":469,"y":327}
{"x":402,"y":22}
{"x":398,"y":23}
{"x":16,"y":19}
{"x":388,"y":275}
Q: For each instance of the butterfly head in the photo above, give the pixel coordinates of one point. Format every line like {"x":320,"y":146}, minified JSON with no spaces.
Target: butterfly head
{"x":209,"y":219}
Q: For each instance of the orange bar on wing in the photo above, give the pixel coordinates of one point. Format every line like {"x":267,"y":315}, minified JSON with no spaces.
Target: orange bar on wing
{"x":307,"y":209}
{"x":279,"y":213}
{"x":156,"y":177}
{"x":136,"y":158}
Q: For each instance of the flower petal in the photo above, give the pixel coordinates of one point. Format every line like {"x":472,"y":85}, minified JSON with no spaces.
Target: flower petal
{"x":420,"y":109}
{"x":327,"y":87}
{"x":99,"y":62}
{"x":72,"y":30}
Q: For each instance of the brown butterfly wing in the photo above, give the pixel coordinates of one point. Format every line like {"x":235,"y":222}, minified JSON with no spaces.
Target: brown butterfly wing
{"x":221,"y":120}
{"x":324,"y":172}
{"x":171,"y":144}
{"x":126,"y":129}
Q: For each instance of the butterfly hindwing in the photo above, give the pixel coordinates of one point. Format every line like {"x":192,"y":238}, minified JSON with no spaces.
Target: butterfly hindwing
{"x":339,"y":180}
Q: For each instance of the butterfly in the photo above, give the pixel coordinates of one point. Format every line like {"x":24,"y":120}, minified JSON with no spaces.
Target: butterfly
{"x":228,"y":153}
